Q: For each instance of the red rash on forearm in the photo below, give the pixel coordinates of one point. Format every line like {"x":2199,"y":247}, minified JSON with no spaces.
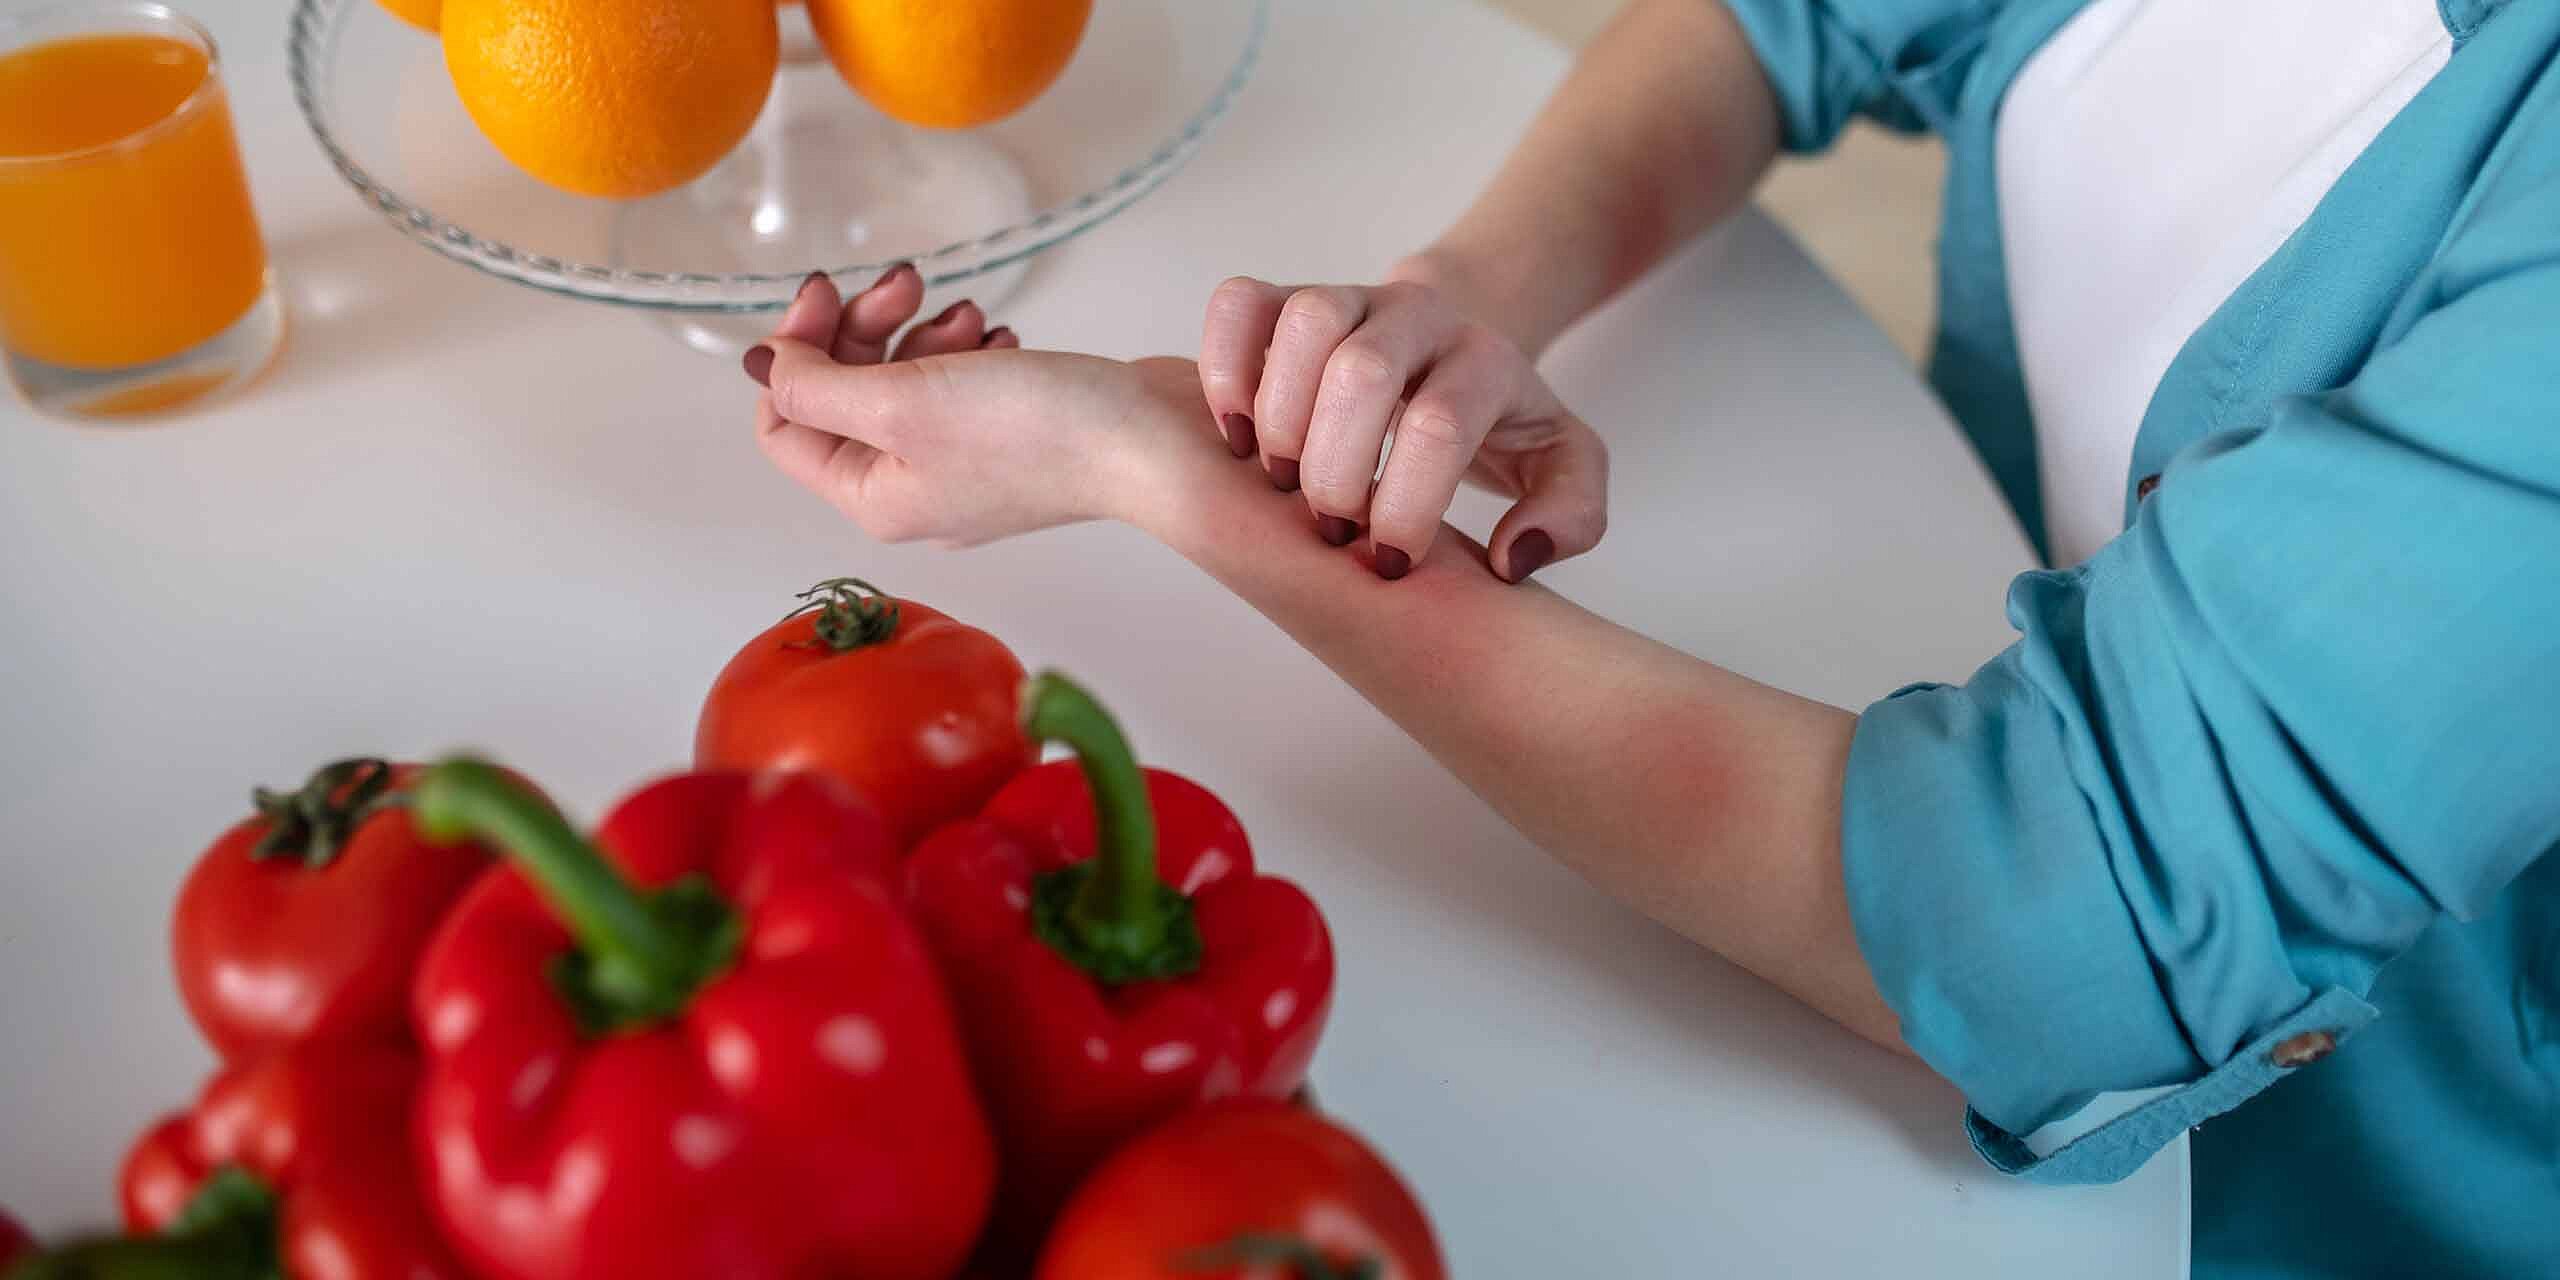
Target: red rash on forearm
{"x":1704,"y":799}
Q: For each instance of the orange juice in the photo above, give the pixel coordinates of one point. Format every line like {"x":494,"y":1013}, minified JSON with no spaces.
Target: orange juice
{"x":126,"y":234}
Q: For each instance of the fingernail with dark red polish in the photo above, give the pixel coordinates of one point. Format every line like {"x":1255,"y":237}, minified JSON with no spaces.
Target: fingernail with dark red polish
{"x":1392,"y":563}
{"x":1239,"y":430}
{"x":891,"y":274}
{"x":1336,"y":530}
{"x":1000,"y":331}
{"x":947,"y":313}
{"x":759,"y":364}
{"x":813,"y":280}
{"x":1284,"y":473}
{"x":1530,"y":552}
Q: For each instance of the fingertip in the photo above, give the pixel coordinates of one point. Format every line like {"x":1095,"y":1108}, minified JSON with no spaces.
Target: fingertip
{"x":871,"y":316}
{"x":1391,"y":563}
{"x":781,"y":366}
{"x":1000,"y":338}
{"x":1239,"y":432}
{"x":811,"y":313}
{"x":955,"y":328}
{"x":896,"y":272}
{"x":1529,"y":552}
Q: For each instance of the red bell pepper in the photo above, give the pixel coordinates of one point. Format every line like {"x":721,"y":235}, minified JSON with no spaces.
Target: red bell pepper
{"x":911,"y":709}
{"x":307,"y":920}
{"x":1244,"y":1190}
{"x":745,"y":1068}
{"x":15,"y":1243}
{"x":1114,"y":956}
{"x":298,"y":1165}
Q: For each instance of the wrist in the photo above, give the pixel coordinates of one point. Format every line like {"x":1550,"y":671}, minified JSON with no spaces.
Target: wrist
{"x":1168,"y":459}
{"x":1485,"y":287}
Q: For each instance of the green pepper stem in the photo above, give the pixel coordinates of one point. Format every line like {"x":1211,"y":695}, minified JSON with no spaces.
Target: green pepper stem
{"x":224,"y":1254}
{"x":228,"y":1232}
{"x":1114,"y":916}
{"x":1056,"y":709}
{"x":642,"y":955}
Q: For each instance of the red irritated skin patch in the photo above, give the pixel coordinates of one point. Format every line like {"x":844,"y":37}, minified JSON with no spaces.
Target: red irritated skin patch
{"x":1706,"y":800}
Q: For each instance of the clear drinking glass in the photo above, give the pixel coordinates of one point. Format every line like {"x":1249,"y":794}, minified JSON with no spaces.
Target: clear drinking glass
{"x":133,"y":278}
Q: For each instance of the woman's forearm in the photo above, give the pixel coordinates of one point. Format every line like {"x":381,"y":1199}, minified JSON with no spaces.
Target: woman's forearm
{"x":1664,"y":125}
{"x":1708,"y":801}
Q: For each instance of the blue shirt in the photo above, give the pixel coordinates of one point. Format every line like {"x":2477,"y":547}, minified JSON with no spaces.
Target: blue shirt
{"x":2257,"y":808}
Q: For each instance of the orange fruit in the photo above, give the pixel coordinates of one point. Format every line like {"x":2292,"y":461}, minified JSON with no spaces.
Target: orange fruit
{"x":615,"y":98}
{"x":950,"y":64}
{"x":417,"y":13}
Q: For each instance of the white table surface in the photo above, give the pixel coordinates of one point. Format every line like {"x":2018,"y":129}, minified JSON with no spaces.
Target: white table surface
{"x":459,"y":513}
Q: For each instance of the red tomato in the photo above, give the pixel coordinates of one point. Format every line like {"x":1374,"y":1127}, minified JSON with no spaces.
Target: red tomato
{"x":307,"y":921}
{"x":1243,"y":1190}
{"x":913,"y":710}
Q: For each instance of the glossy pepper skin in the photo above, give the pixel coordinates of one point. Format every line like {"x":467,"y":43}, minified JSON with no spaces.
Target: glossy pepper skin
{"x":911,"y":709}
{"x":297,"y":1165}
{"x":307,"y":920}
{"x":723,"y":1053}
{"x":1114,"y":955}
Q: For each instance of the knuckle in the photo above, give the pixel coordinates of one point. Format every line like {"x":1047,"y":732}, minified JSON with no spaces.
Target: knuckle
{"x":1360,"y":368}
{"x":1315,"y":313}
{"x":1433,"y":428}
{"x":1599,"y":448}
{"x":1235,"y":296}
{"x":1475,"y":340}
{"x":1592,"y":513}
{"x":1406,"y":293}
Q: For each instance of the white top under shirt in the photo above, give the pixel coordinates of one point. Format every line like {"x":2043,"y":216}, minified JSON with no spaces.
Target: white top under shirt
{"x":2150,"y":157}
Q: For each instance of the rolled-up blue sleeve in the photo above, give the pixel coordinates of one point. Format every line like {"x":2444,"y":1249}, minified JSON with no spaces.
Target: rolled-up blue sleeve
{"x":2305,"y":706}
{"x":1897,"y":62}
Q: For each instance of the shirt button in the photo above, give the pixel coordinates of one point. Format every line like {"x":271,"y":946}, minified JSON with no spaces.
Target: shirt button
{"x":2304,"y":1049}
{"x":2149,"y":483}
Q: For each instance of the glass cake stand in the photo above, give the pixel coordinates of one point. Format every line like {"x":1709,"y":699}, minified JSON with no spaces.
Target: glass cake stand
{"x":823,"y":183}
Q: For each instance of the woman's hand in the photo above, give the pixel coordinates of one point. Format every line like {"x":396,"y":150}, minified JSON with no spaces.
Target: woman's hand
{"x":957,"y":436}
{"x":1379,"y":401}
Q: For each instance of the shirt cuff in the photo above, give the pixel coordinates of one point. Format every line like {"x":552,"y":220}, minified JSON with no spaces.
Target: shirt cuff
{"x":2113,"y":1150}
{"x":1989,"y":913}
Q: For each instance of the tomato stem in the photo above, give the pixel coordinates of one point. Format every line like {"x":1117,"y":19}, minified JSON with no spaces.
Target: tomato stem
{"x":641,"y":955}
{"x":851,"y":613}
{"x":1299,"y":1257}
{"x":315,"y":823}
{"x":1112,"y":914}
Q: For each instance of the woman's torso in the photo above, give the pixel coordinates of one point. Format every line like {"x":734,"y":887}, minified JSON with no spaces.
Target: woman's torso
{"x":2203,"y":208}
{"x":2150,"y":157}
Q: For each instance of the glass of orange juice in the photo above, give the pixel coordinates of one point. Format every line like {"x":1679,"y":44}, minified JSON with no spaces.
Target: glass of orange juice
{"x":133,"y":279}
